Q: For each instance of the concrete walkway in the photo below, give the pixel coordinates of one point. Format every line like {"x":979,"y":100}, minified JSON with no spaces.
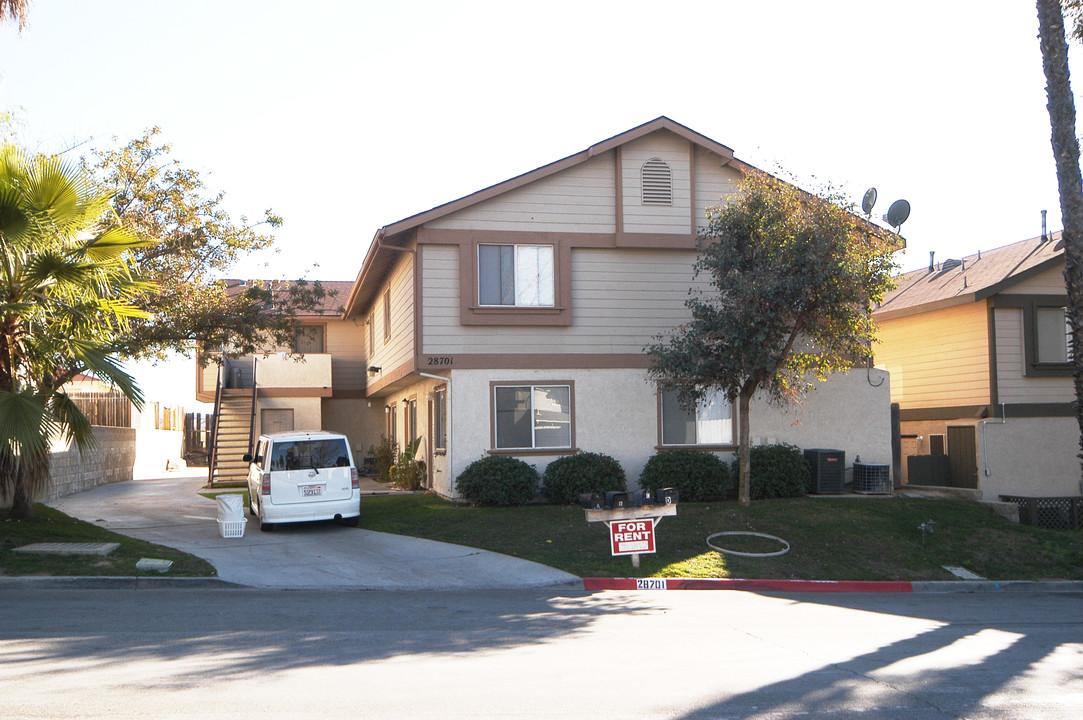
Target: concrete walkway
{"x":321,"y":555}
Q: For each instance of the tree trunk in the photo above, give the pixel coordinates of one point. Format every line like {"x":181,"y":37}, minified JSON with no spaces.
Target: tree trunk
{"x":22,"y":504}
{"x":744,"y":446}
{"x":1066,"y":153}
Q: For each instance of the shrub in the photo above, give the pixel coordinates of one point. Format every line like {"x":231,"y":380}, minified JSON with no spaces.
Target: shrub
{"x":498,"y":480}
{"x":566,"y":478}
{"x":698,"y":475}
{"x":384,"y":456}
{"x":777,"y":471}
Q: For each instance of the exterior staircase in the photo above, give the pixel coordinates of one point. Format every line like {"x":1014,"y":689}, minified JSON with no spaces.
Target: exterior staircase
{"x":232,"y":437}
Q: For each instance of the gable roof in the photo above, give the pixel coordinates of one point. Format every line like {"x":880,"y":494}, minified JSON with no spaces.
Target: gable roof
{"x":389,"y":240}
{"x":330,"y":304}
{"x":970,"y":279}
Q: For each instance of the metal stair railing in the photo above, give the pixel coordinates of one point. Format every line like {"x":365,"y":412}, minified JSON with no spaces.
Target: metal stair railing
{"x":212,"y":461}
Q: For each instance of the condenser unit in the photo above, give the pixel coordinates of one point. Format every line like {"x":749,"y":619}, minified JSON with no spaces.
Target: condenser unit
{"x":871,"y":479}
{"x":827,"y":469}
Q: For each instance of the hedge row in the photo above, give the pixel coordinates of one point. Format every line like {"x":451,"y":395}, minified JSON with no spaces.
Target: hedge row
{"x":699,"y":476}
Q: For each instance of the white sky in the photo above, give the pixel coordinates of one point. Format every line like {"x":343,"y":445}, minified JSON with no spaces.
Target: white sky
{"x":347,"y":116}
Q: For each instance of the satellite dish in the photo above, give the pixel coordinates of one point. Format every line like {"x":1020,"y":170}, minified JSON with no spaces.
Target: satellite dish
{"x":868,"y":201}
{"x":897,"y":213}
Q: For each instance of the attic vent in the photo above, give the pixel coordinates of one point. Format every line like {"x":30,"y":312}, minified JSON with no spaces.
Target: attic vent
{"x":657,"y":183}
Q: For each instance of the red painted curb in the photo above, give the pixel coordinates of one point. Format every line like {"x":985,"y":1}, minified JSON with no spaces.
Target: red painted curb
{"x":838,"y":586}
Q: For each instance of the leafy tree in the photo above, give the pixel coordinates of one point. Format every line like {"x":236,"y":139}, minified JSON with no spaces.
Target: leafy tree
{"x":65,"y":292}
{"x":1051,"y":36}
{"x":198,"y":243}
{"x":792,"y":276}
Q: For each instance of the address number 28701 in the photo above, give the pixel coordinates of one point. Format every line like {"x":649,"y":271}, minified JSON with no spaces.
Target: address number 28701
{"x":439,"y":360}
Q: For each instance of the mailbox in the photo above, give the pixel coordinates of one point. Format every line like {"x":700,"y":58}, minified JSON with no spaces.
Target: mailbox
{"x":592,"y":501}
{"x":616,"y":499}
{"x":667,"y":496}
{"x":643,"y":497}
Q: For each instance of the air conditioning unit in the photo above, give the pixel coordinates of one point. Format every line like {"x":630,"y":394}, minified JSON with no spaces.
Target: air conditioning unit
{"x":828,"y":470}
{"x":871,"y":479}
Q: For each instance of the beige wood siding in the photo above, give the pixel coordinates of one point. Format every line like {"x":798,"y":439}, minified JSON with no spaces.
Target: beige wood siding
{"x":640,"y":218}
{"x":622,"y":299}
{"x":579,"y":199}
{"x":399,"y":348}
{"x":939,"y":358}
{"x":714,"y":182}
{"x":1012,"y":385}
{"x":1050,"y":282}
{"x":345,"y":341}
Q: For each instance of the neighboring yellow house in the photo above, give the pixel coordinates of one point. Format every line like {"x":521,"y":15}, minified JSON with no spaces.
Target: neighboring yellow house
{"x":979,"y":358}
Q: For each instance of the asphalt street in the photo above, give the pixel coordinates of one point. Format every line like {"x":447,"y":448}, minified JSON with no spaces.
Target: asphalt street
{"x":246,"y":653}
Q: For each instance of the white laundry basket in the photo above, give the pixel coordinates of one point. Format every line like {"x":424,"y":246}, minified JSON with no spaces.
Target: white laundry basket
{"x":231,"y":519}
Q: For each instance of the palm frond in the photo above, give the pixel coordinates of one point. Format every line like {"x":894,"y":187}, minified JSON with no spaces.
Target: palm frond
{"x":26,"y":425}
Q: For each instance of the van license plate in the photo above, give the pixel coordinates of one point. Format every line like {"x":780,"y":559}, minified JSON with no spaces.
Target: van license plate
{"x":311,"y":490}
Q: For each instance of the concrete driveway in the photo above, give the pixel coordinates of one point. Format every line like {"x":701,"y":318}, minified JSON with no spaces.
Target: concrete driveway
{"x":322,"y":555}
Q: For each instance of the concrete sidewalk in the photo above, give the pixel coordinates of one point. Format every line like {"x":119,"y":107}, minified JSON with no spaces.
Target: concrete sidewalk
{"x":321,"y":555}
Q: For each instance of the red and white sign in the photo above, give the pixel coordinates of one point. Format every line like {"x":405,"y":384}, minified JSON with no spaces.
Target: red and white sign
{"x":632,"y":537}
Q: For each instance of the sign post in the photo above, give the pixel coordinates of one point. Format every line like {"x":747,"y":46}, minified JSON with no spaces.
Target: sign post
{"x":631,"y":530}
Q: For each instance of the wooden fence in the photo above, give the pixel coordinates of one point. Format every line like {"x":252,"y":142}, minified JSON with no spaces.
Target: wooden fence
{"x":108,"y":409}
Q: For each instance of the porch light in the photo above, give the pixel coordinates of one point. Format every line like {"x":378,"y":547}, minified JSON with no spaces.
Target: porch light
{"x":374,"y":369}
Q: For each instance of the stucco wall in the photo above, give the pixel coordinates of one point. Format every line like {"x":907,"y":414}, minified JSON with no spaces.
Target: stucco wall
{"x":1034,"y":457}
{"x":616,"y":412}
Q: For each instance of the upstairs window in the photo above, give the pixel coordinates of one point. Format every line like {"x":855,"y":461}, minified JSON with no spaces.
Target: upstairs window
{"x":387,"y":315}
{"x":1054,"y":335}
{"x":308,"y":339}
{"x":657,"y":182}
{"x":711,"y":423}
{"x":516,"y":275}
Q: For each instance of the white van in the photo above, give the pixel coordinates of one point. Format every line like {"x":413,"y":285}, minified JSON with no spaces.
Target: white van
{"x":301,"y":476}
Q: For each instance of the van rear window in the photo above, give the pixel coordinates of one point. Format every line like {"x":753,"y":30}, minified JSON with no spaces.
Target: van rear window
{"x":305,"y":454}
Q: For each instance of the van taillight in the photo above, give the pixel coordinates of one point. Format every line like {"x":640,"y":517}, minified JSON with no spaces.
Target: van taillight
{"x":265,"y":481}
{"x":355,"y":481}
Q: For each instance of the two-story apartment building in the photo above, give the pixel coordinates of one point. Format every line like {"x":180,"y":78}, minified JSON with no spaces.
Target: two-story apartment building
{"x":514,"y":320}
{"x":978,"y":352}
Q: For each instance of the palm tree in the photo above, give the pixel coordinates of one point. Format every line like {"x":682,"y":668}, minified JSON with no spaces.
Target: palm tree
{"x":15,"y":10}
{"x":1051,"y":37}
{"x":65,"y":289}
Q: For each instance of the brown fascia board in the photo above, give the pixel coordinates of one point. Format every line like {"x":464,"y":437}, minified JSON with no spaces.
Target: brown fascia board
{"x":925,"y":307}
{"x":366,"y":266}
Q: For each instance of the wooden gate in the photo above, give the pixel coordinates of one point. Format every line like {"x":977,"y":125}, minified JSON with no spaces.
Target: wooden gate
{"x":963,"y":456}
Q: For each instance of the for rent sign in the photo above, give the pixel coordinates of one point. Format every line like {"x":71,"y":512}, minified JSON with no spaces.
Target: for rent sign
{"x":631,"y":537}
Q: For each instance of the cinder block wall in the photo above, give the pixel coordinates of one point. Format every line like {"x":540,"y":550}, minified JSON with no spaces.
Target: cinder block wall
{"x":110,"y":460}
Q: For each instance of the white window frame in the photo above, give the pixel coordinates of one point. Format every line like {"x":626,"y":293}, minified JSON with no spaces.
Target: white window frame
{"x":546,"y":295}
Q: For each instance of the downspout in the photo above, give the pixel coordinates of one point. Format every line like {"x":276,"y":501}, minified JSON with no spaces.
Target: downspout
{"x":450,"y":443}
{"x":984,"y":446}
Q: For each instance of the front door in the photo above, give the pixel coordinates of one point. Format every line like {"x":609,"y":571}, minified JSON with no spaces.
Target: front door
{"x":963,"y":456}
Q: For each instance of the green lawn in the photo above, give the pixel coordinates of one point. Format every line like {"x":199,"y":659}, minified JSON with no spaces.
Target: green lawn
{"x":49,"y":525}
{"x":865,"y":538}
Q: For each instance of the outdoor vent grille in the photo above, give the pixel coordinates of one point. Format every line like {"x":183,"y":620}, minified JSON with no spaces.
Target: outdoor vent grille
{"x":872,"y":479}
{"x":828,"y":470}
{"x":657,"y":183}
{"x":1053,"y":513}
